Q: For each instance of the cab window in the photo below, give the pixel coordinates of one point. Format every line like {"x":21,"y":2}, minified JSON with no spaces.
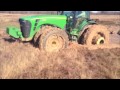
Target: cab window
{"x":67,"y":13}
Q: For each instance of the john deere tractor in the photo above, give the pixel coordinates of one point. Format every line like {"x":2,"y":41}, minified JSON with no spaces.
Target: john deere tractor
{"x":53,"y":32}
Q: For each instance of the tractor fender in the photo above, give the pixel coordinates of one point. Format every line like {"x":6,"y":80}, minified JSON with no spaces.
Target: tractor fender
{"x":38,"y":29}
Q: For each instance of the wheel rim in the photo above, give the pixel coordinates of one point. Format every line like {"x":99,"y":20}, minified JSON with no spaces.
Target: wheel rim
{"x":54,"y":43}
{"x":101,"y":40}
{"x":98,"y":39}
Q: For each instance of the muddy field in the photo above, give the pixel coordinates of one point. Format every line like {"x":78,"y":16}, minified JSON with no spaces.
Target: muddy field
{"x":23,"y":60}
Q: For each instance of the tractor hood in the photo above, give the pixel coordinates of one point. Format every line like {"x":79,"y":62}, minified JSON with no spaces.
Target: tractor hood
{"x":38,"y":20}
{"x":44,"y":17}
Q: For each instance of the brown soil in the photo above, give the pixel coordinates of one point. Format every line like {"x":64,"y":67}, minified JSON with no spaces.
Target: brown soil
{"x":23,"y":60}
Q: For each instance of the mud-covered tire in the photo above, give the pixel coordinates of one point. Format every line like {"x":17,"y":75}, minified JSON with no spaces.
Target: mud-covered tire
{"x":93,"y":32}
{"x":53,"y":39}
{"x":36,"y":39}
{"x":118,"y":32}
{"x":39,"y":33}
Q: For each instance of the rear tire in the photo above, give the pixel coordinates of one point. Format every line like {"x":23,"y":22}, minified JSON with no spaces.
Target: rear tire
{"x":95,"y":35}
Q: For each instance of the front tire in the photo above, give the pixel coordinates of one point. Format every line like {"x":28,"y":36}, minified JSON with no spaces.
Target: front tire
{"x":53,"y":39}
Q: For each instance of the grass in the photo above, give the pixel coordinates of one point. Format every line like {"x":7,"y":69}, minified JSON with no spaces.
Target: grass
{"x":79,"y":63}
{"x":24,"y":61}
{"x":10,"y":19}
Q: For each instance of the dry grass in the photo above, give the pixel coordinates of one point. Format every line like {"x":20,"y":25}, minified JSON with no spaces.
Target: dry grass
{"x":109,"y":20}
{"x":10,"y":20}
{"x":23,"y":60}
{"x":106,"y":17}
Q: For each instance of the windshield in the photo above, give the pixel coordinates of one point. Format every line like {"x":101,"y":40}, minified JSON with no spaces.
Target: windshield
{"x":68,"y":13}
{"x":80,"y":14}
{"x":74,"y":13}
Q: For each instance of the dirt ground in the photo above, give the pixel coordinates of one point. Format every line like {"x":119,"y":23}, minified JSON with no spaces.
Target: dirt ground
{"x":24,"y":61}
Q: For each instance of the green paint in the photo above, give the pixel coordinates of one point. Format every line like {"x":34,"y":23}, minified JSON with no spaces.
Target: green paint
{"x":79,"y":28}
{"x":74,"y":32}
{"x":54,"y":20}
{"x":14,"y":32}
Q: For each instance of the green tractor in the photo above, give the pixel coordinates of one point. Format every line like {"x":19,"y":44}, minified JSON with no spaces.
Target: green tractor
{"x":52,"y":33}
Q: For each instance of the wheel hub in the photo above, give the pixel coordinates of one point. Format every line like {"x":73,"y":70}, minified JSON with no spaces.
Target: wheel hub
{"x":54,"y":43}
{"x":98,"y":40}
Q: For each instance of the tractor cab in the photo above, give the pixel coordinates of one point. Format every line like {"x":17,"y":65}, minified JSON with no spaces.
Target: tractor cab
{"x":75,"y":17}
{"x":76,"y":22}
{"x":75,"y":14}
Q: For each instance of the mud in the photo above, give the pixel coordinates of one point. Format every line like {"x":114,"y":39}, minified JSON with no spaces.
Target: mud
{"x":23,"y":60}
